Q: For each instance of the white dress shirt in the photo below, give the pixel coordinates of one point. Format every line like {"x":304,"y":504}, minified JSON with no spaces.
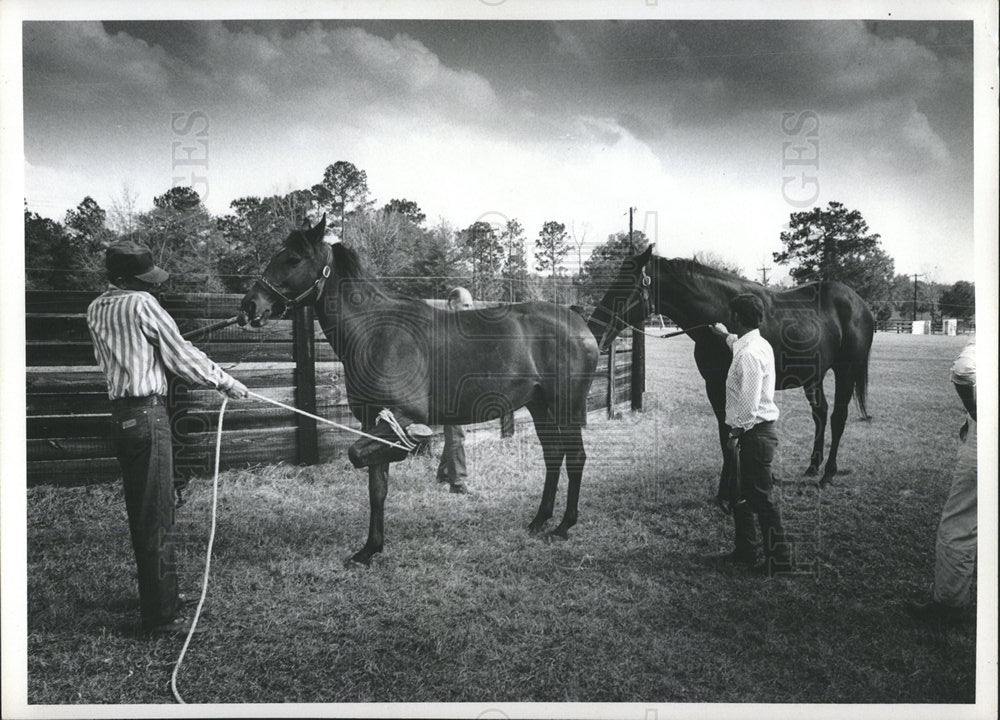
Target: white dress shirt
{"x":750,"y":383}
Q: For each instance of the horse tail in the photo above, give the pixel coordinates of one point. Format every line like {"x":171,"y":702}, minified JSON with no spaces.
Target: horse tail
{"x":865,"y":334}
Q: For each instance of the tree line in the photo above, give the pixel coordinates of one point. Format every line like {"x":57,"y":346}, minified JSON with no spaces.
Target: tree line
{"x":223,"y":254}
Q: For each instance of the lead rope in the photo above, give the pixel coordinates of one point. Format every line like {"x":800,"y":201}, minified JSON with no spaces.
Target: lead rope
{"x":208,"y":555}
{"x":667,"y":335}
{"x":385,"y":415}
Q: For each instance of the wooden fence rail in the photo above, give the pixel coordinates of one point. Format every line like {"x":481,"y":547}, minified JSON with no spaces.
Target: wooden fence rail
{"x":69,"y":414}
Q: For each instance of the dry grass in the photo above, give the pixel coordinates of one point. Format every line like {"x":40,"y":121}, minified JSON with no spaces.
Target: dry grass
{"x":465,"y":606}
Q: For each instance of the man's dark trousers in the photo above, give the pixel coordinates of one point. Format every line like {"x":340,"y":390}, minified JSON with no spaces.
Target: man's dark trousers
{"x":757,"y":448}
{"x":142,"y":443}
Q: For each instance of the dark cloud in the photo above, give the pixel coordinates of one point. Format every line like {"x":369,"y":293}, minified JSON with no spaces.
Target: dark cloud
{"x":710,"y":68}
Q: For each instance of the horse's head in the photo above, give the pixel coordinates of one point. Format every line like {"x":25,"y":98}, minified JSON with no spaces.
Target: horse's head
{"x":296,"y":274}
{"x":626,"y":301}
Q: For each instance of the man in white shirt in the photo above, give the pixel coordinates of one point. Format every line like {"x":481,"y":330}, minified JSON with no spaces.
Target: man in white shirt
{"x":958,"y":532}
{"x":751,"y":415}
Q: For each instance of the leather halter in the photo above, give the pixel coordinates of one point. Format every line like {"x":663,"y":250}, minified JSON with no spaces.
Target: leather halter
{"x":316,"y":287}
{"x":639,"y":294}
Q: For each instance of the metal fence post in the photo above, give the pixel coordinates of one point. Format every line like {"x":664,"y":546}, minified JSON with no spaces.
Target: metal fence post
{"x":304,"y":354}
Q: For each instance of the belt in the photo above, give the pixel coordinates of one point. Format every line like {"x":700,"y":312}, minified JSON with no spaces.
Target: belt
{"x":145,"y":401}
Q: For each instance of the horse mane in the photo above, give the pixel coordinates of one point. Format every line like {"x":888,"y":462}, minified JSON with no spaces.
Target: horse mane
{"x":349,"y":265}
{"x":688,"y":269}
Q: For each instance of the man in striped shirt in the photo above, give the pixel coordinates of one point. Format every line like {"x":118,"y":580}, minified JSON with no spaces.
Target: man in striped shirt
{"x":135,"y":343}
{"x":751,"y":415}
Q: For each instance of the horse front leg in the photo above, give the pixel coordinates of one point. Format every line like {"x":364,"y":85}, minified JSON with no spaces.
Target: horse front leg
{"x":576,"y":458}
{"x":820,"y":408}
{"x":378,"y":484}
{"x":716,"y":391}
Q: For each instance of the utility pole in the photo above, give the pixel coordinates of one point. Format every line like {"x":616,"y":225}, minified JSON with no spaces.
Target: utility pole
{"x":915,"y":276}
{"x":638,"y":374}
{"x":631,"y":212}
{"x":763,"y":272}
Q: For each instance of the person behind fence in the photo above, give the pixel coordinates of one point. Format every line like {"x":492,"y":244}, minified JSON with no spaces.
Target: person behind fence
{"x":751,"y":414}
{"x":451,"y":469}
{"x":135,"y":343}
{"x":957,"y":533}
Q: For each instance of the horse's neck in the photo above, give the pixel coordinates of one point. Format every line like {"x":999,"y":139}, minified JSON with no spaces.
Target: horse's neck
{"x":689,"y":302}
{"x":338,"y":316}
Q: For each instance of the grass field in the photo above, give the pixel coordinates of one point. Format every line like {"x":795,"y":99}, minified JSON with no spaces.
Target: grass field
{"x":465,"y":606}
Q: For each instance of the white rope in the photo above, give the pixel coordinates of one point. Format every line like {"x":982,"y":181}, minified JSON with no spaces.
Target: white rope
{"x":384,"y":415}
{"x":208,"y":555}
{"x":389,"y":419}
{"x":328,"y":422}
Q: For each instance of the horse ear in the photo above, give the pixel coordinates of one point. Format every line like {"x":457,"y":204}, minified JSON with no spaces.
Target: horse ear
{"x":320,"y":229}
{"x":646,"y":254}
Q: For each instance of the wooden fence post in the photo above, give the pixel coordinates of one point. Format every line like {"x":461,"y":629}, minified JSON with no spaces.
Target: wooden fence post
{"x":611,"y":379}
{"x":638,"y":368}
{"x":304,"y":354}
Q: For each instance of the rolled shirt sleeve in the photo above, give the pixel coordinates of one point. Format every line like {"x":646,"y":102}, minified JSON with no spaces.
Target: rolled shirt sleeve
{"x":963,"y":370}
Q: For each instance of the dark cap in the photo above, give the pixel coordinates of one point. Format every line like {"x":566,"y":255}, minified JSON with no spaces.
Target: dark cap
{"x":126,"y":259}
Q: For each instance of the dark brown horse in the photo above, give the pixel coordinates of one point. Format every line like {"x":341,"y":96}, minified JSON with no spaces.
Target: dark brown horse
{"x":811,"y":328}
{"x":438,"y":367}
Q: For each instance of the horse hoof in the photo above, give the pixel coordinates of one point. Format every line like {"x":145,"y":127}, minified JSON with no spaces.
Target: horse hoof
{"x":812,"y":471}
{"x":535,"y":528}
{"x":358,"y":562}
{"x":557,"y":536}
{"x":825,"y":481}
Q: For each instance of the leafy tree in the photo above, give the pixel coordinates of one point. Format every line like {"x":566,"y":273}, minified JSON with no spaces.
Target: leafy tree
{"x":89,"y":238}
{"x":959,"y":301}
{"x":178,"y":198}
{"x":487,"y":254}
{"x":253,"y":232}
{"x":437,"y":263}
{"x":344,"y":190}
{"x":871,"y":277}
{"x":551,"y":247}
{"x":184,"y":240}
{"x":407,"y":208}
{"x":902,"y":295}
{"x":601,"y":268}
{"x":48,"y":253}
{"x":835,"y":244}
{"x":385,"y":240}
{"x":515,"y":264}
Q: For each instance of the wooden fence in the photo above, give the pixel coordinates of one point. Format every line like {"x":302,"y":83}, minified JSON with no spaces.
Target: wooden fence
{"x":930,"y":327}
{"x":69,"y":414}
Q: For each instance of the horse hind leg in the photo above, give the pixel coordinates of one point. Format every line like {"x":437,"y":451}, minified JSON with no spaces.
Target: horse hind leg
{"x":576,"y":458}
{"x":841,"y":406}
{"x":552,"y":452}
{"x":820,"y":408}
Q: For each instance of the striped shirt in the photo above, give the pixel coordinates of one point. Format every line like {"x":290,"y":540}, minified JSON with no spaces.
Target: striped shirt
{"x":750,"y":383}
{"x":136,"y":341}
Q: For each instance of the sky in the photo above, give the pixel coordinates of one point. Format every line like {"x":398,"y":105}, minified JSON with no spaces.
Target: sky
{"x":714,"y":131}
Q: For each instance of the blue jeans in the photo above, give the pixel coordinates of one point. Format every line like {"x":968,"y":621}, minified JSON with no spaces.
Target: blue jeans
{"x":757,"y":447}
{"x":142,"y":444}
